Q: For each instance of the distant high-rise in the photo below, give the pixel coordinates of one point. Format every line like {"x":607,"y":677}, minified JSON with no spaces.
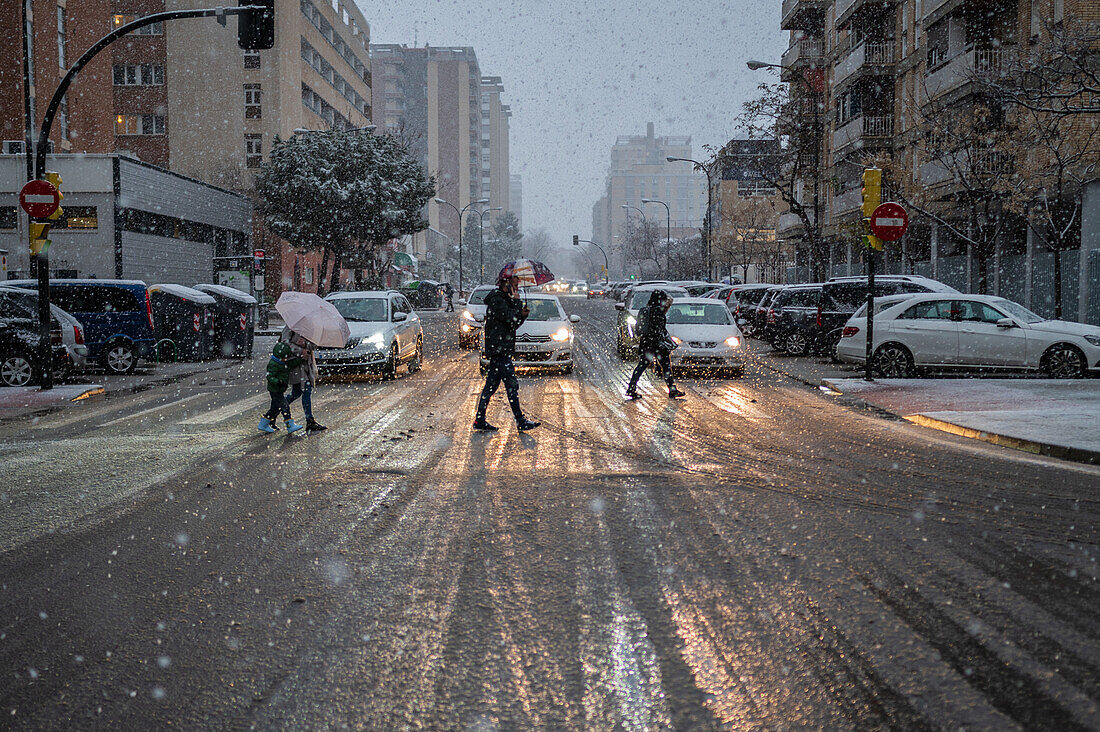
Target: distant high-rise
{"x":515,"y":196}
{"x":495,"y":183}
{"x":640,"y":170}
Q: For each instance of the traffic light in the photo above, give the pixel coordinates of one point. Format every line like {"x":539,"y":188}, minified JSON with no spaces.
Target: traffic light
{"x":39,"y":242}
{"x":55,"y":179}
{"x":576,"y":240}
{"x":256,"y":28}
{"x":870,"y":241}
{"x":871,"y":190}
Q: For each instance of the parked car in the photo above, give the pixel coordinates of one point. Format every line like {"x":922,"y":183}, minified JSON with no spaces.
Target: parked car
{"x":20,"y":362}
{"x":842,"y":296}
{"x":705,"y":335}
{"x":598,"y":289}
{"x":792,"y":319}
{"x":756,"y":318}
{"x":626,"y":339}
{"x":945,"y":331}
{"x":385,"y":333}
{"x":472,"y":319}
{"x":741,"y":300}
{"x":72,"y":331}
{"x":545,"y":339}
{"x":117,"y":316}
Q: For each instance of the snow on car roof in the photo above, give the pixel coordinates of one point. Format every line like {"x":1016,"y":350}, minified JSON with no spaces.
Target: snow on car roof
{"x":187,"y":293}
{"x":226,"y":291}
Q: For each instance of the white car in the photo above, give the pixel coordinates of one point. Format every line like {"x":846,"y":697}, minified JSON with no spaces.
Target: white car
{"x":472,"y":318}
{"x":949,"y":331}
{"x":545,"y":339}
{"x":705,"y":335}
{"x":626,"y":338}
{"x":385,"y":333}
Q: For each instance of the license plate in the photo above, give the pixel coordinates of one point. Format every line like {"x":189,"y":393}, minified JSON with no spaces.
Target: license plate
{"x":526,"y":347}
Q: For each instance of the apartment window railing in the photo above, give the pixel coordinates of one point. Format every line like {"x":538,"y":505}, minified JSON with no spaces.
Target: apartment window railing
{"x":989,"y":59}
{"x":879,"y":126}
{"x":879,"y":52}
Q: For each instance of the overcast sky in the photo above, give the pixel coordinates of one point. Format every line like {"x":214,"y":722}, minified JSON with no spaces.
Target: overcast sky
{"x":579,"y":73}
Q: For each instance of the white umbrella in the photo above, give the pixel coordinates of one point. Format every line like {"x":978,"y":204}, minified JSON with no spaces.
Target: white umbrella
{"x":314,"y":319}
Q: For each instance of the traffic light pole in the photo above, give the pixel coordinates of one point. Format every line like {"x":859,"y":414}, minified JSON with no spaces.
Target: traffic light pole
{"x":868,"y":373}
{"x":42,"y":264}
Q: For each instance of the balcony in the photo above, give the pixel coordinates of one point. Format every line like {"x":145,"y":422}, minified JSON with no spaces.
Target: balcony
{"x":862,"y":132}
{"x":872,"y":56}
{"x":964,"y":68}
{"x":847,"y":202}
{"x":845,"y":9}
{"x":807,"y":50}
{"x":804,"y":14}
{"x":969,"y":164}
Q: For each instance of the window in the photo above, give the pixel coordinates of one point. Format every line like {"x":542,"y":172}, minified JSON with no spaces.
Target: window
{"x":61,"y":41}
{"x":8,"y":218}
{"x":252,"y":109}
{"x":63,"y":117}
{"x":1036,"y":17}
{"x":978,"y":312}
{"x":78,"y":217}
{"x":138,"y":74}
{"x":139,"y":124}
{"x":253,"y":150}
{"x":932,"y":310}
{"x":252,"y":59}
{"x":121,"y":19}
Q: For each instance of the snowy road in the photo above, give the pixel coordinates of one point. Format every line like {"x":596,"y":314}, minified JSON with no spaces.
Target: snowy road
{"x":756,"y":555}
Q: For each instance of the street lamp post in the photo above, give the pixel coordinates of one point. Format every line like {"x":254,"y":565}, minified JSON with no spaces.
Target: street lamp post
{"x":481,"y":240}
{"x":460,"y":212}
{"x":710,"y":206}
{"x":818,"y":134}
{"x":606,"y":264}
{"x":668,"y":234}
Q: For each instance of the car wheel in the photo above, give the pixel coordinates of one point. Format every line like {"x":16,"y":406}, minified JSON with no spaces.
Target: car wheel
{"x":389,"y":371}
{"x":17,"y":369}
{"x":119,"y":358}
{"x":796,"y":344}
{"x":747,"y":330}
{"x":1063,"y":361}
{"x":893,"y":361}
{"x":418,"y":357}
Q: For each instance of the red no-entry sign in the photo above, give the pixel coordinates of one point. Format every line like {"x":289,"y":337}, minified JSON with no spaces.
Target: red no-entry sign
{"x":39,"y":199}
{"x":889,"y":221}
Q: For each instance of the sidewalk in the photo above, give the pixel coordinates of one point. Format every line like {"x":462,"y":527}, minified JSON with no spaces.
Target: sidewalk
{"x":1042,"y":416}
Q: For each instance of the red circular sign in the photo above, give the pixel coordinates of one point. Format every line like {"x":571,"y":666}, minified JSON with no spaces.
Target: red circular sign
{"x":889,"y":221}
{"x":39,"y":199}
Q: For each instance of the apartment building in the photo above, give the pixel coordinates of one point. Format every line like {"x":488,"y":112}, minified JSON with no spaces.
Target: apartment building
{"x":495,"y":175}
{"x":887,"y":80}
{"x":515,"y":197}
{"x":639,"y":171}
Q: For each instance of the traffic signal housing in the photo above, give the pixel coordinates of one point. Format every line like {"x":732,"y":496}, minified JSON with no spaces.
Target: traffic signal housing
{"x":871,"y":190}
{"x":55,"y":180}
{"x":256,"y":28}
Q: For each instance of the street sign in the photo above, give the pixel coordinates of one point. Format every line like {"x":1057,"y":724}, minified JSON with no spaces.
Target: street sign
{"x":39,"y":198}
{"x":889,"y":221}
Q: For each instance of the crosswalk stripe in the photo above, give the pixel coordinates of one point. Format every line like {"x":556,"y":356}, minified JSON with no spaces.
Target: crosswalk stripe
{"x":234,"y":409}
{"x":144,"y":412}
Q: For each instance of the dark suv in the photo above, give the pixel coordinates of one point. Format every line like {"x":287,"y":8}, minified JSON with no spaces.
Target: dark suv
{"x":792,"y":319}
{"x":117,"y":316}
{"x":19,"y":358}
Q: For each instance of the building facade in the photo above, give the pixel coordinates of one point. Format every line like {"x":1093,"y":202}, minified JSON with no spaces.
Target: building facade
{"x":639,"y":171}
{"x":899,"y":84}
{"x":515,"y":197}
{"x":495,"y":174}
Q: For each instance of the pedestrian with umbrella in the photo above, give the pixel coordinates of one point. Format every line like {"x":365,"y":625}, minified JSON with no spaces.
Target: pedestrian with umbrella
{"x":505,"y":312}
{"x":310,"y":322}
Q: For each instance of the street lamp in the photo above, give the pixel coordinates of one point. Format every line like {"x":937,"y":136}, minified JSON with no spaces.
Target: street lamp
{"x":710,"y":205}
{"x":606,"y":264}
{"x":814,"y":230}
{"x":480,"y":239}
{"x":668,"y":234}
{"x":460,"y":212}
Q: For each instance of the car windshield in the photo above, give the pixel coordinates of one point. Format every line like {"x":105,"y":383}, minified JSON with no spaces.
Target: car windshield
{"x":361,"y":309}
{"x":1018,"y":311}
{"x":543,"y":310}
{"x":695,"y":313}
{"x":477,"y":297}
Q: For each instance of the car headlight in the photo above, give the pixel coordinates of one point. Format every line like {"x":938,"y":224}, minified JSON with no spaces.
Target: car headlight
{"x":563,"y":334}
{"x":1094,"y":340}
{"x":466,"y":328}
{"x":468,"y":315}
{"x":677,"y":341}
{"x":733,"y":342}
{"x":631,"y":320}
{"x":377,"y":341}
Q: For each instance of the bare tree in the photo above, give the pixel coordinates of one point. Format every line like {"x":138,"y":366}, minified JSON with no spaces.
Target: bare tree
{"x":640,"y":244}
{"x":746,"y":229}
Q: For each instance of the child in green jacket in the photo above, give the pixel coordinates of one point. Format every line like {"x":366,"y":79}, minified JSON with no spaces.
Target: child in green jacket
{"x":278,"y":379}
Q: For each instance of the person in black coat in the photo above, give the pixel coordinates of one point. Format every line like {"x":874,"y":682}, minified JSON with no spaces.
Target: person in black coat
{"x":503,"y":315}
{"x":654,"y":343}
{"x":449,"y":295}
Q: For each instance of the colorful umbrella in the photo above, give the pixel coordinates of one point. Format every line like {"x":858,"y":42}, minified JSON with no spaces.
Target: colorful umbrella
{"x":314,"y":319}
{"x":531,"y":273}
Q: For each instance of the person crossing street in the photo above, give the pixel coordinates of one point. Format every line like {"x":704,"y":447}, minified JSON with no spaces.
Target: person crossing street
{"x":654,"y":343}
{"x":505,"y":312}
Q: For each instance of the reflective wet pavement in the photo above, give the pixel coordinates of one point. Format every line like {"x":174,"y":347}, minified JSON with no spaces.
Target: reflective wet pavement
{"x":756,"y":555}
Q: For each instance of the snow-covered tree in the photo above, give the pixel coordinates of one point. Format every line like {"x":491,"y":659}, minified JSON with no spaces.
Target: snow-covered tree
{"x":344,"y":193}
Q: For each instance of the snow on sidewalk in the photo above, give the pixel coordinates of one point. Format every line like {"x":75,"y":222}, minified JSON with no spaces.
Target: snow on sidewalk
{"x":1054,"y":417}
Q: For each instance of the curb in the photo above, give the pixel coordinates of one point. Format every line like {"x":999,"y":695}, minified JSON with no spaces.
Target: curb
{"x":1072,"y":454}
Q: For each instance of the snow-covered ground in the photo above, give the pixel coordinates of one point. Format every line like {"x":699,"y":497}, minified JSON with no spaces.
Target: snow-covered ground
{"x":1047,"y":412}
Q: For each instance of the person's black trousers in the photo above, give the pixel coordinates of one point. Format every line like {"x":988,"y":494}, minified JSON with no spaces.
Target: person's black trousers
{"x":278,"y":404}
{"x":500,"y":369}
{"x":645,"y":358}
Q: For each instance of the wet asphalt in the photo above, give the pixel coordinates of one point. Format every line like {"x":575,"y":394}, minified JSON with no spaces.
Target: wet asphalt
{"x":757,"y":555}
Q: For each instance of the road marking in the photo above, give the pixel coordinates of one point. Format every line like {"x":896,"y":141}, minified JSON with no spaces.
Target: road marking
{"x":230,"y":410}
{"x":150,"y":410}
